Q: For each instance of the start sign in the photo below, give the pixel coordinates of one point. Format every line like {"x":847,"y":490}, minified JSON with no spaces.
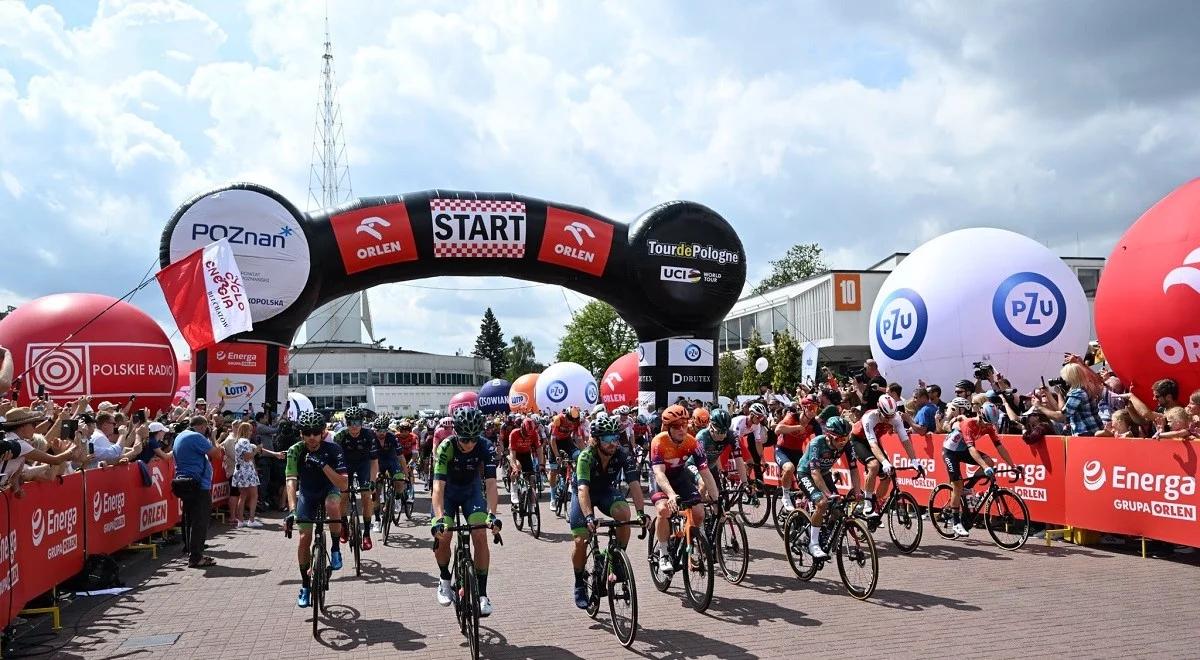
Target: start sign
{"x":478,"y":228}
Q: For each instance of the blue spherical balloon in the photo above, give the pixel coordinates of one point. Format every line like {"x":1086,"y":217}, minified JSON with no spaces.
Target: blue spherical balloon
{"x":493,"y":396}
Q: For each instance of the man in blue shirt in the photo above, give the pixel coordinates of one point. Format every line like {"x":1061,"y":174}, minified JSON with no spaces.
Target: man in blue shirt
{"x":193,"y":460}
{"x":927,"y":411}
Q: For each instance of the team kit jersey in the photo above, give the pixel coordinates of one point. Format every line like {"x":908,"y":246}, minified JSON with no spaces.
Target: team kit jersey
{"x":310,"y":472}
{"x":604,"y":479}
{"x":741,"y":428}
{"x":407,"y":443}
{"x":364,"y":447}
{"x":459,"y":468}
{"x":822,"y":455}
{"x":713,"y":448}
{"x":969,"y":431}
{"x":519,"y":443}
{"x":675,"y":458}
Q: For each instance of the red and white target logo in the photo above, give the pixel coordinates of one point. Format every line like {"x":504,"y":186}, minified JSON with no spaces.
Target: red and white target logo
{"x":101,"y":368}
{"x":63,"y":370}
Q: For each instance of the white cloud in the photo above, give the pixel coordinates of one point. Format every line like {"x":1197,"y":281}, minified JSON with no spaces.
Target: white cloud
{"x":11,"y":184}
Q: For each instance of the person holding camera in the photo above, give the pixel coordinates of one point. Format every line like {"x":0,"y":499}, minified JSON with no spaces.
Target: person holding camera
{"x":20,"y":425}
{"x":1078,"y":409}
{"x":870,"y":384}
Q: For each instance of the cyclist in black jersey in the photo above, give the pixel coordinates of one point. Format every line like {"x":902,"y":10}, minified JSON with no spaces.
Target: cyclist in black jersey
{"x":361,"y":448}
{"x":715,"y":438}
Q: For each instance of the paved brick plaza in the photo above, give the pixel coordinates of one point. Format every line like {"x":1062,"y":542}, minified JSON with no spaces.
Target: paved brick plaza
{"x":950,"y":597}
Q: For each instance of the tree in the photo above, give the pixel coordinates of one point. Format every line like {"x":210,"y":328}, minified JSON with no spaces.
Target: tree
{"x":751,"y":379}
{"x":785,"y":370}
{"x":490,"y":344}
{"x":802,"y":261}
{"x":521,"y":359}
{"x":729,"y":375}
{"x":596,"y":337}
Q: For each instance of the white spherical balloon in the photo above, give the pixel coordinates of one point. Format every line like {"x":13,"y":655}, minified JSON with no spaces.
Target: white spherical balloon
{"x":566,"y":384}
{"x":761,"y":365}
{"x":985,"y":295}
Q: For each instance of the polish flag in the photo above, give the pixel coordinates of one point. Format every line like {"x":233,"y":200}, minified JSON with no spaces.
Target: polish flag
{"x":205,"y":293}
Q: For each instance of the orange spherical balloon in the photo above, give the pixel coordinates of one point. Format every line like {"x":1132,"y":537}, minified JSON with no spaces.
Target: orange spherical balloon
{"x":522,"y":396}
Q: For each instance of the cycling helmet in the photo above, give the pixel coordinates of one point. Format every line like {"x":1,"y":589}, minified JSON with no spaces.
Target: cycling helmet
{"x":675,"y":415}
{"x":965,"y":384}
{"x":758,"y":409}
{"x":887,"y":405}
{"x":990,"y":413}
{"x":644,"y":420}
{"x":529,"y":426}
{"x":599,"y":408}
{"x":404,"y":425}
{"x":468,"y":423}
{"x":837,"y":426}
{"x":605,"y":426}
{"x":573,"y":413}
{"x":702,"y":417}
{"x":445,"y":421}
{"x":961,"y":403}
{"x":720,"y":421}
{"x":382,"y":423}
{"x":353,"y":416}
{"x":622,"y":410}
{"x":311,"y":421}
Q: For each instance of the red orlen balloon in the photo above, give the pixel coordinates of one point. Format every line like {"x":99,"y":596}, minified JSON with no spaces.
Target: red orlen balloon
{"x":122,"y":352}
{"x":1148,"y":302}
{"x":463,"y":400}
{"x":619,"y":387}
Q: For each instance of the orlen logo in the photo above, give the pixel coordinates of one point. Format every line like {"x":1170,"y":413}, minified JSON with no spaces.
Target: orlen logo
{"x":1170,"y":349}
{"x":901,"y":323}
{"x":1029,"y":309}
{"x":612,"y":380}
{"x":677,"y":274}
{"x":576,"y":241}
{"x":1186,"y":275}
{"x":374,"y":236}
{"x":1093,"y":475}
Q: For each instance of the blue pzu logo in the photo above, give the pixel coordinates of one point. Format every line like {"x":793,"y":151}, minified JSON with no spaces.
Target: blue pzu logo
{"x":692,"y":352}
{"x":901,"y":323}
{"x":591,"y":393}
{"x":1029,"y":309}
{"x":557,"y":391}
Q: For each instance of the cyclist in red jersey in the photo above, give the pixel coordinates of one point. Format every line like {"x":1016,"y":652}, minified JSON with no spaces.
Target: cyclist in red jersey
{"x":791,"y":438}
{"x":669,"y":454}
{"x":524,"y":444}
{"x":566,"y":437}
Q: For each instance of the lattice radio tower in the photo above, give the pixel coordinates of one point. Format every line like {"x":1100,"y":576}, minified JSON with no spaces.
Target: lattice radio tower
{"x":329,"y":185}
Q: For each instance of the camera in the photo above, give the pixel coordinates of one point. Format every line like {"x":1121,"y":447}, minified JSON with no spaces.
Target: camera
{"x":68,"y":429}
{"x":983,"y":370}
{"x":1057,"y":382}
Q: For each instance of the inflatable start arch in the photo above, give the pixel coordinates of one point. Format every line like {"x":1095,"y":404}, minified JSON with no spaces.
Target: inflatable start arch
{"x":672,"y":275}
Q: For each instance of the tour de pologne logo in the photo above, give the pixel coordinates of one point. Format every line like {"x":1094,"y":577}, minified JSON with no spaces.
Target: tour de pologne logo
{"x":1029,"y":309}
{"x":901,"y":323}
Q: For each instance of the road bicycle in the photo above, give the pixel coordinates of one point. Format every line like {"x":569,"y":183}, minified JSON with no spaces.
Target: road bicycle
{"x":688,"y":550}
{"x":843,"y":538}
{"x":903,"y":514}
{"x":562,"y":489}
{"x":354,"y":524}
{"x":608,"y":572}
{"x":527,"y":506}
{"x":1005,"y":515}
{"x":726,"y":534}
{"x":318,"y":571}
{"x":464,"y":582}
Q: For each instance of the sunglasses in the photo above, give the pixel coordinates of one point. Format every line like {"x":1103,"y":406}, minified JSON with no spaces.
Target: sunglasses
{"x":609,"y":439}
{"x":468,"y":441}
{"x":311,"y":434}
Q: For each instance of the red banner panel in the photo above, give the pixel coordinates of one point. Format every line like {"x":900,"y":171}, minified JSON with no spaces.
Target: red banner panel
{"x":47,"y":524}
{"x":1134,"y":486}
{"x":111,"y":504}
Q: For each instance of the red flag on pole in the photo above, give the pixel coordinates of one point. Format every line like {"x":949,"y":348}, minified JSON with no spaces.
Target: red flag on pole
{"x":205,"y":293}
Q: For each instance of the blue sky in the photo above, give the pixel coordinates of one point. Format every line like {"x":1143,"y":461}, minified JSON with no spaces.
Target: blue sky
{"x":865,"y":128}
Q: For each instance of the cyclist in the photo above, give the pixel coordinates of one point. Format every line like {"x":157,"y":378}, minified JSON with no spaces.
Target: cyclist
{"x":524,"y":444}
{"x":389,"y":459}
{"x":699,"y":420}
{"x":865,"y":440}
{"x":669,"y":453}
{"x":406,"y":441}
{"x":625,"y":424}
{"x":316,"y":476}
{"x":959,"y":447}
{"x":816,"y":475}
{"x":753,"y":423}
{"x":792,"y":434}
{"x":641,"y":431}
{"x":362,"y":459}
{"x":464,"y":465}
{"x":443,"y":430}
{"x":715,"y":438}
{"x":600,"y":469}
{"x":565,"y":438}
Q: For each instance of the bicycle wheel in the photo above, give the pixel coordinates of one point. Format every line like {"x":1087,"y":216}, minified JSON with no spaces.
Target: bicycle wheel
{"x":593,"y":575}
{"x":389,"y":509}
{"x":518,"y":511}
{"x":698,"y":572}
{"x":662,"y":581}
{"x":356,"y":542}
{"x":795,"y":545}
{"x":940,"y":514}
{"x":1007,"y":519}
{"x":754,"y":508}
{"x":535,"y":515}
{"x":778,"y":515}
{"x":622,"y":598}
{"x":904,"y":523}
{"x":857,"y":561}
{"x":471,"y":612}
{"x":733,"y":551}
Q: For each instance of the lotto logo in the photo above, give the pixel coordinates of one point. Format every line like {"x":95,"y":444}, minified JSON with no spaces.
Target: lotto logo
{"x":901,"y":323}
{"x":1029,"y":309}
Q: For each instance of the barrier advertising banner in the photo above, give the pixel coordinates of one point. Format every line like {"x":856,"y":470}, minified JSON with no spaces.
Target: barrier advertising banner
{"x":1134,"y":486}
{"x":47,"y":531}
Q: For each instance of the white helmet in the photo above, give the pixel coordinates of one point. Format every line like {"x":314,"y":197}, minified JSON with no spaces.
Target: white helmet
{"x":887,"y":405}
{"x":758,"y":409}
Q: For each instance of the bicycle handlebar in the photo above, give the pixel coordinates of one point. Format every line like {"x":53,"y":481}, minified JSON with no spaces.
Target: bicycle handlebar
{"x":912,"y":468}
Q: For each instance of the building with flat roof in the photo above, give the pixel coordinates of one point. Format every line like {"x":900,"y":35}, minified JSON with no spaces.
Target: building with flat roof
{"x":833,"y":309}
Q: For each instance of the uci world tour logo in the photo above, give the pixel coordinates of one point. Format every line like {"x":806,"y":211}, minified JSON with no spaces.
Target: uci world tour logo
{"x":557,"y":391}
{"x":1093,"y":475}
{"x":1029,"y":309}
{"x":901,"y":324}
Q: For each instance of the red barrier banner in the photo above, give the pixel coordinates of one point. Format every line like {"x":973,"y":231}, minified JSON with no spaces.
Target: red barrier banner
{"x":48,"y":521}
{"x":1134,"y":486}
{"x":111,"y":505}
{"x":158,"y":508}
{"x":10,"y":575}
{"x":220,"y":483}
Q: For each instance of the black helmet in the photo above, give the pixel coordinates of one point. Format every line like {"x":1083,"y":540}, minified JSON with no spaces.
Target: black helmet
{"x":720,"y":421}
{"x":468,"y":423}
{"x":606,"y":425}
{"x":837,"y":426}
{"x":311,"y":421}
{"x":353,"y":415}
{"x":382,"y":422}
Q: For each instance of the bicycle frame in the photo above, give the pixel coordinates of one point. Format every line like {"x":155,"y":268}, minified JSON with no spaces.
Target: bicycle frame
{"x":969,"y":484}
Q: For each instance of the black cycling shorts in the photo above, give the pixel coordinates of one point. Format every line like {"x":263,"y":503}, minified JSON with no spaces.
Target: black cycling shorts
{"x":862,"y":449}
{"x":952,"y":458}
